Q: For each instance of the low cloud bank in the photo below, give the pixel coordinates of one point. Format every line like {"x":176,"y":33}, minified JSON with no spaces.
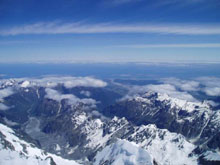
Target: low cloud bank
{"x":3,"y":107}
{"x":72,"y":99}
{"x":212,"y":85}
{"x":163,"y":89}
{"x":3,"y":94}
{"x":181,"y":89}
{"x":68,"y":82}
{"x":52,"y":81}
{"x":11,"y":85}
{"x":85,"y":93}
{"x":209,"y":85}
{"x":184,"y":85}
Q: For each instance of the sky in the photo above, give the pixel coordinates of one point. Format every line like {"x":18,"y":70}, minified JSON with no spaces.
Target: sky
{"x":76,"y":31}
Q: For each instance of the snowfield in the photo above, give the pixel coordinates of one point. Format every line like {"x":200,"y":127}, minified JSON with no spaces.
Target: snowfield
{"x":123,"y":152}
{"x":14,"y":151}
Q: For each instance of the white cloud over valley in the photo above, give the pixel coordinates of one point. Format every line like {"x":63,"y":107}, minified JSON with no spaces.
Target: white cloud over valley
{"x":3,"y":107}
{"x":185,"y":85}
{"x":67,"y":81}
{"x":72,"y":99}
{"x":3,"y":94}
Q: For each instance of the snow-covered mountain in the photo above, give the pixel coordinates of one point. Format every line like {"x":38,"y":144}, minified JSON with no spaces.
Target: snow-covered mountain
{"x":163,"y":146}
{"x":71,"y":119}
{"x":123,"y":152}
{"x":15,"y":151}
{"x":166,"y":112}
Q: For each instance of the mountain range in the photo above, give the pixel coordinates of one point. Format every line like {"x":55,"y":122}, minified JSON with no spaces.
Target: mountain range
{"x":84,"y":120}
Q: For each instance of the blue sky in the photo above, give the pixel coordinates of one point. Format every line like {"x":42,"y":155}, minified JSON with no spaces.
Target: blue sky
{"x":70,"y":31}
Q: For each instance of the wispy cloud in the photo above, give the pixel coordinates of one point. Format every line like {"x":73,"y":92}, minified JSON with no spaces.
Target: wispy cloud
{"x":119,"y":2}
{"x":158,"y":3}
{"x":82,"y":28}
{"x":178,"y":2}
{"x":194,"y":45}
{"x":16,"y":42}
{"x":114,"y":3}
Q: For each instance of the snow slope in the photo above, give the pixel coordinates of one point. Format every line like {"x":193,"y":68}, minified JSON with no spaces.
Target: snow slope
{"x":166,"y":147}
{"x":123,"y":152}
{"x":14,"y":151}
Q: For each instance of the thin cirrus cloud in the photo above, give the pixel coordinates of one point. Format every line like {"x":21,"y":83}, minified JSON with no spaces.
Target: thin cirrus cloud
{"x":191,"y":45}
{"x":119,"y":2}
{"x":124,"y":2}
{"x":177,"y":3}
{"x":82,"y":28}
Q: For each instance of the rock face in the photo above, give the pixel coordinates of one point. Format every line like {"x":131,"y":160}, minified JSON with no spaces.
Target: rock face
{"x":158,"y":128}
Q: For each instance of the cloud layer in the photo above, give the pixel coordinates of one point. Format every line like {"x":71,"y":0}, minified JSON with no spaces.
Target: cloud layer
{"x":184,"y":85}
{"x":163,"y":89}
{"x":193,"y":45}
{"x":182,"y":89}
{"x":5,"y":93}
{"x":209,"y":85}
{"x":85,"y":93}
{"x":72,"y":99}
{"x":3,"y":107}
{"x":212,"y":85}
{"x":67,"y":81}
{"x":82,"y":28}
{"x":49,"y":83}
